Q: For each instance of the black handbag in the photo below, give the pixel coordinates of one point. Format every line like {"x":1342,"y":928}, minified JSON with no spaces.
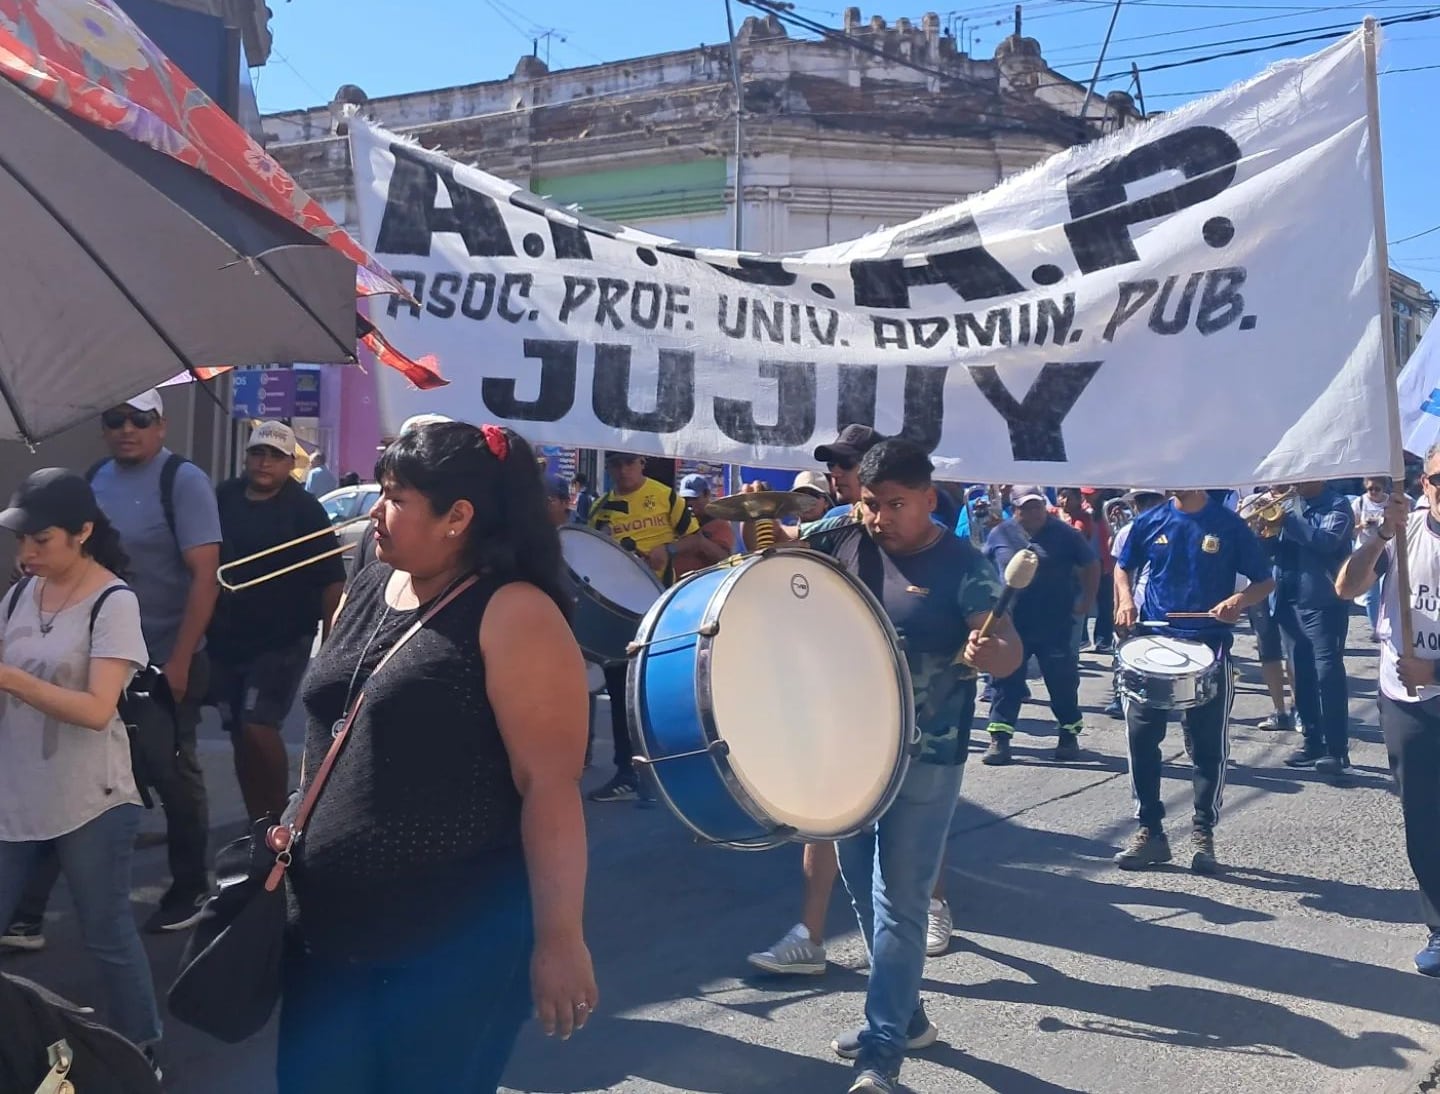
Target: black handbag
{"x":229,"y":979}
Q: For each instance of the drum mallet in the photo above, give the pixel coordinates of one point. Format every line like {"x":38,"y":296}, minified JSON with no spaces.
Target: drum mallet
{"x":1019,"y":572}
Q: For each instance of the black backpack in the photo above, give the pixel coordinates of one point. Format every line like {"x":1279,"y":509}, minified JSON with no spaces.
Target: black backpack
{"x":47,"y":1042}
{"x":168,"y":471}
{"x":147,"y":707}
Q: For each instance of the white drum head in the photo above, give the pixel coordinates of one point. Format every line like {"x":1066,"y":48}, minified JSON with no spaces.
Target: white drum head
{"x":1157,"y":655}
{"x":609,"y":569}
{"x":806,"y":689}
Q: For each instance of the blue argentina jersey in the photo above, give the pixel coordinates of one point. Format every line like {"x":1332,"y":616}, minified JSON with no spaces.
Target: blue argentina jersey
{"x":1194,"y":559}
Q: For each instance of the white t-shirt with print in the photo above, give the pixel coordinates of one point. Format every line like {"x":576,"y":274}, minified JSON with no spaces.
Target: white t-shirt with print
{"x":1423,"y":546}
{"x":56,"y":777}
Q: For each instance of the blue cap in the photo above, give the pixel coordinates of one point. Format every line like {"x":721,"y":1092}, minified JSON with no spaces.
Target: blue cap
{"x":556,"y":487}
{"x":695,"y":486}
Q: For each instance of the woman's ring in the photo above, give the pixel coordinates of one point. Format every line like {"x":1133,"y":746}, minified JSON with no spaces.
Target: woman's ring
{"x":582,"y":1006}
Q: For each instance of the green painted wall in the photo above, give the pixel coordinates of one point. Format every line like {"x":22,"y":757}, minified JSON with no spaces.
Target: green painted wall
{"x":641,"y":193}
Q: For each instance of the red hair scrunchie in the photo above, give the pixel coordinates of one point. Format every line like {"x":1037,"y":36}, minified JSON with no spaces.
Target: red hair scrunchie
{"x":496,"y":441}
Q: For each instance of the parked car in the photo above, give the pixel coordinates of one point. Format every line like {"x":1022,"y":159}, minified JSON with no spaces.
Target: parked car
{"x":346,"y":504}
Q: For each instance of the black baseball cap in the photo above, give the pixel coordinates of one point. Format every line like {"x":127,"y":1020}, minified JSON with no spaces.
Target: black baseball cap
{"x":621,"y":457}
{"x":49,"y":498}
{"x":854,"y":441}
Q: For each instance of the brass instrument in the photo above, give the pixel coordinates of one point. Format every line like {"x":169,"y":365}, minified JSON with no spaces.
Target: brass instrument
{"x":1118,"y":512}
{"x":1264,"y":512}
{"x":239,"y":586}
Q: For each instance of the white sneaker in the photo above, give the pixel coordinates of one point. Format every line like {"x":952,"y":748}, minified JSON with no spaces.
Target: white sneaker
{"x":794,"y":953}
{"x":938,"y":928}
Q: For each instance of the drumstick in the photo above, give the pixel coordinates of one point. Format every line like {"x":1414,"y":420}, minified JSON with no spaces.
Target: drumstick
{"x":1018,"y":574}
{"x":1195,"y":615}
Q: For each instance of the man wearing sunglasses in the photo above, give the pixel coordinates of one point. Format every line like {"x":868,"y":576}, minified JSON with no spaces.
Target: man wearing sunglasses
{"x":1409,"y":697}
{"x":165,"y":511}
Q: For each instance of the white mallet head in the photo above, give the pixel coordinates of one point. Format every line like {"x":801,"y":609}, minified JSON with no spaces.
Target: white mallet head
{"x":1021,"y":570}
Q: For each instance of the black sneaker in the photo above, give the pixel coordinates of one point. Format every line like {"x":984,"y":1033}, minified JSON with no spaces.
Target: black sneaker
{"x":177,"y":912}
{"x":998,"y":754}
{"x":1068,"y":747}
{"x":24,"y":934}
{"x":1304,"y":757}
{"x":622,"y":788}
{"x":1202,"y":851}
{"x":153,"y":1059}
{"x":1333,"y":766}
{"x":1148,"y":847}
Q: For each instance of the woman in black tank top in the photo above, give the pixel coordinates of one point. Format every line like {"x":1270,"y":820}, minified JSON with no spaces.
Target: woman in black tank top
{"x":437,"y":893}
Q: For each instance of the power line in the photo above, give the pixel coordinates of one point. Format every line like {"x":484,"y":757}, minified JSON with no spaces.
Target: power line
{"x":1417,"y":235}
{"x":1332,"y":30}
{"x":1320,"y":37}
{"x":1089,"y":46}
{"x":1411,"y":68}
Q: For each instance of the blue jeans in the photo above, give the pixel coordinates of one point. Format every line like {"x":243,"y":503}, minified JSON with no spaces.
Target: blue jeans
{"x":95,"y":861}
{"x":890,"y":872}
{"x":1372,"y":605}
{"x":1315,"y":640}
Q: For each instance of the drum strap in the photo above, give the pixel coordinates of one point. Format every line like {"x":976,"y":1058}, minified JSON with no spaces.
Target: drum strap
{"x":870,"y":563}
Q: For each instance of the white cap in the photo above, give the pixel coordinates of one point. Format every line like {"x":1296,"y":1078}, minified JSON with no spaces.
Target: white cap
{"x":148,"y":400}
{"x":418,"y":420}
{"x":812,"y":482}
{"x":276,"y":435}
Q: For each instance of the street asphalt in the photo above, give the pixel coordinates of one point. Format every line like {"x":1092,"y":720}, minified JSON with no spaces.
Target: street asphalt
{"x":1290,"y":971}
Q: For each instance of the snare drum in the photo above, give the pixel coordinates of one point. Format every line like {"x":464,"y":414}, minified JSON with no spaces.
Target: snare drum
{"x":1163,"y":673}
{"x":742,"y":715}
{"x":612,"y":588}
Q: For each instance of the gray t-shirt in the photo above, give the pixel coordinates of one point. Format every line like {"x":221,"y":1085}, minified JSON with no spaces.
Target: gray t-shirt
{"x":56,"y":777}
{"x":130,"y":497}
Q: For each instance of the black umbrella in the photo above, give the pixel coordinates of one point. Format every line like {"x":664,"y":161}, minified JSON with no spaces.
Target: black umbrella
{"x":122,"y":266}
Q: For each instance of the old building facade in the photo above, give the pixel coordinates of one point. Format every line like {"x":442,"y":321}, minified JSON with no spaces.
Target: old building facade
{"x":834,"y":141}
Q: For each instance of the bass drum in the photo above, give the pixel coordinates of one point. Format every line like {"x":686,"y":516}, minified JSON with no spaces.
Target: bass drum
{"x":612,"y":588}
{"x":740,"y":723}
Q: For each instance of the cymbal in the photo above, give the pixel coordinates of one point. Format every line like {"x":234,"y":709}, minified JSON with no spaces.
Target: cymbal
{"x":760,"y":505}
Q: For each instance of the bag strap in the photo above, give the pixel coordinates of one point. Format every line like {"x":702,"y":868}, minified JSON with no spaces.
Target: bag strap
{"x":15,"y":597}
{"x":281,"y":838}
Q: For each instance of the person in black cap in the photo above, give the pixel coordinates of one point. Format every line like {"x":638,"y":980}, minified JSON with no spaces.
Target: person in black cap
{"x":65,"y":778}
{"x":841,"y":458}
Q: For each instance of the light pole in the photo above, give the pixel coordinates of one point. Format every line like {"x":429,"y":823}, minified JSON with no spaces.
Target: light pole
{"x":739,"y":231}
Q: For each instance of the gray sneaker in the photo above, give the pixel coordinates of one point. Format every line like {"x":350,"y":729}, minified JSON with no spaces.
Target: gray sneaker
{"x":939,"y":926}
{"x":871,"y":1081}
{"x":793,"y":954}
{"x":921,"y":1033}
{"x":1147,"y":848}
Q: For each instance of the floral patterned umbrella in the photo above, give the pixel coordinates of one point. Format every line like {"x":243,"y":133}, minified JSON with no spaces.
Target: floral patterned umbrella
{"x":145,"y":231}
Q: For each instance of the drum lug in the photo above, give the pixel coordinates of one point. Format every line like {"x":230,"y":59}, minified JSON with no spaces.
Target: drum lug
{"x":709,"y":630}
{"x":713,"y":749}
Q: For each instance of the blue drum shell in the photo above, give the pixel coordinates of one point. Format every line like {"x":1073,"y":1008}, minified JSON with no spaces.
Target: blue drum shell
{"x":672,"y":726}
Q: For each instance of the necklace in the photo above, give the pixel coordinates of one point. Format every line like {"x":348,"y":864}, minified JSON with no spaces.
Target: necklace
{"x":48,"y":625}
{"x":339,"y":725}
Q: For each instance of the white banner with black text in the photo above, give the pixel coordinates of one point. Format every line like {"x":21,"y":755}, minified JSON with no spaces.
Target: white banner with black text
{"x":1193,"y":301}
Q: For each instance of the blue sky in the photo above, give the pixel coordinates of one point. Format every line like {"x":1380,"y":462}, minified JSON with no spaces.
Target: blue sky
{"x":388,"y":48}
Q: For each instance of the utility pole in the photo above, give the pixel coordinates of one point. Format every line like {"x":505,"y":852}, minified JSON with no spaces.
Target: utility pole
{"x":1017,"y":20}
{"x":739,"y":232}
{"x":1139,"y":91}
{"x":1095,"y":77}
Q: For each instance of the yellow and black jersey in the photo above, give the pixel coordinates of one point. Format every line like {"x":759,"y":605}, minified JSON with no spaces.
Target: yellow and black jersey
{"x":651,"y":516}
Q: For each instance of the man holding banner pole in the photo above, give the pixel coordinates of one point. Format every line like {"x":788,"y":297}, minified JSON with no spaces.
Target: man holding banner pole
{"x":1409,"y":698}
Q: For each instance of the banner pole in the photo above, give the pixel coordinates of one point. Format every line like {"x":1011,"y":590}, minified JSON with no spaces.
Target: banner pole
{"x":1387,"y":334}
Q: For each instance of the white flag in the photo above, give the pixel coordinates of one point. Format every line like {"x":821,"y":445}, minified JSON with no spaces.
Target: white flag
{"x":1195,"y":301}
{"x":1419,"y":388}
